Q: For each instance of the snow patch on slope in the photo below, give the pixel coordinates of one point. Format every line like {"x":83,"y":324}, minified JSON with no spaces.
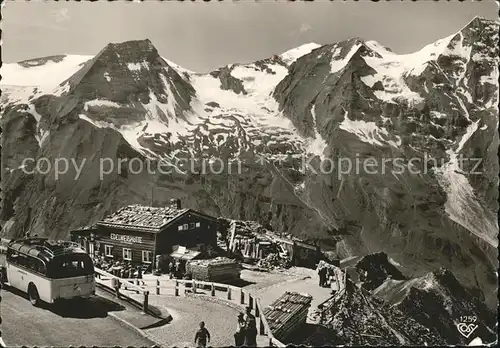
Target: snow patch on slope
{"x":255,"y":116}
{"x":137,"y":66}
{"x":317,"y":145}
{"x":41,"y":134}
{"x":367,"y":132}
{"x":169,"y":122}
{"x":462,"y":205}
{"x":258,"y":82}
{"x":180,"y":70}
{"x":100,"y":102}
{"x":339,"y":64}
{"x":129,"y":132}
{"x":292,"y":55}
{"x":47,"y":75}
{"x":392,"y":68}
{"x":20,"y":84}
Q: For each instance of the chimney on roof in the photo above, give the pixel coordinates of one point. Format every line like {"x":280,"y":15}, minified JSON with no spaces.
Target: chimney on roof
{"x":175,"y":203}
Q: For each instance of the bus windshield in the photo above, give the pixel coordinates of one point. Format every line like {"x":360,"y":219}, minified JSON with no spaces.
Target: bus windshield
{"x":67,"y":266}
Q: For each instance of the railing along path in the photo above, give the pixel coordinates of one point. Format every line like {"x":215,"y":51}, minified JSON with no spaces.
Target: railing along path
{"x":127,"y":287}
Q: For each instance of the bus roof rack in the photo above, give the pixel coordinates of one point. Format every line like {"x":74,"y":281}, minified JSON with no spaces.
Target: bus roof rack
{"x":51,"y":247}
{"x":29,"y":240}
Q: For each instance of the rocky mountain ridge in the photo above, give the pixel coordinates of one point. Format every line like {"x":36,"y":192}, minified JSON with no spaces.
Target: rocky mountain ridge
{"x":281,"y":120}
{"x":420,"y":311}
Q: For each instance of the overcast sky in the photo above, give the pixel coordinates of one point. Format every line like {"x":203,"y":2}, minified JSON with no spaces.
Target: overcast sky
{"x":203,"y":36}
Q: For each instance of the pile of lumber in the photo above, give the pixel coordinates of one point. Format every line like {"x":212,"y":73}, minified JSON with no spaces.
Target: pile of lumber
{"x":220,"y":270}
{"x":273,"y":261}
{"x":287,"y":314}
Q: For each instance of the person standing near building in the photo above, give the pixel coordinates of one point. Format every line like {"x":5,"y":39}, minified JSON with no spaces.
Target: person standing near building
{"x":172,"y":269}
{"x":322,"y":276}
{"x":139,"y":274}
{"x":250,"y":329}
{"x":202,"y":336}
{"x":239,"y":335}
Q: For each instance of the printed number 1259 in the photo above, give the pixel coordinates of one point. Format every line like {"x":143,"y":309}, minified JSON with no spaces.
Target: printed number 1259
{"x":468,"y":319}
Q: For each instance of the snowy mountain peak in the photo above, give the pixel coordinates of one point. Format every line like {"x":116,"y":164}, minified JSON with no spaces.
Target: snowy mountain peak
{"x":134,"y":55}
{"x":138,"y":46}
{"x":478,"y":22}
{"x":378,"y":47}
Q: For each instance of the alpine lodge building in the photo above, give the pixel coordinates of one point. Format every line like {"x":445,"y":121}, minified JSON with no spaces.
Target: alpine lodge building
{"x":139,"y":234}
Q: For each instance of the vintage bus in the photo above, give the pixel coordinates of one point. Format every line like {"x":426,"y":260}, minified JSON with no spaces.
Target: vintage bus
{"x":49,"y":270}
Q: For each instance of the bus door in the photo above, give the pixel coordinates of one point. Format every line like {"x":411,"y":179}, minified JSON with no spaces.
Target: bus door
{"x":13,"y":276}
{"x":17,"y":274}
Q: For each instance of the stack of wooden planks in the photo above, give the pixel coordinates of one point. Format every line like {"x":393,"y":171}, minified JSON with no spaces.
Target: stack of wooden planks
{"x":219,"y":270}
{"x":287,"y":314}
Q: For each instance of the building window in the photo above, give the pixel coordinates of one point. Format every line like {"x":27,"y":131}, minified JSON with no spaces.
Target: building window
{"x":108,"y":250}
{"x":185,"y":227}
{"x":127,"y":254}
{"x":192,"y":225}
{"x":147,"y":256}
{"x":180,"y":228}
{"x":198,"y":224}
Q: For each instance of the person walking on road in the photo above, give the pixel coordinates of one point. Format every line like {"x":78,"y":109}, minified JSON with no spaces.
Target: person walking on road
{"x":322,"y":276}
{"x":239,"y":335}
{"x":202,"y":336}
{"x":250,"y":329}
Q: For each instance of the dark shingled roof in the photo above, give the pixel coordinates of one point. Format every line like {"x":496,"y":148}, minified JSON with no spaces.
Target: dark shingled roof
{"x":286,"y":308}
{"x":141,"y":217}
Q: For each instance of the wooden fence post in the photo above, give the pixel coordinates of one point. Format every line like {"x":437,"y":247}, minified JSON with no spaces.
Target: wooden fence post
{"x":145,"y":303}
{"x":194,"y":286}
{"x":250,"y":301}
{"x":213,"y":289}
{"x":228,"y":293}
{"x":137,"y":283}
{"x":242,"y":297}
{"x":157,"y":286}
{"x":176,"y":288}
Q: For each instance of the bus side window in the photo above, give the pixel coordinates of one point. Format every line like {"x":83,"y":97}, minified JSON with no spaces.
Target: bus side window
{"x":30,"y":263}
{"x":41,"y":268}
{"x":22,"y":260}
{"x":38,"y":266}
{"x":12,"y":255}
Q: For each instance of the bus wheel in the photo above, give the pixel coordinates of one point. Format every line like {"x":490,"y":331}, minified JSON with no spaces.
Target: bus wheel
{"x":33,"y":295}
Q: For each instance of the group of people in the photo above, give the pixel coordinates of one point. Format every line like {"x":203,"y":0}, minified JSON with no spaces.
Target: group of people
{"x":121,"y":269}
{"x":326,"y":276}
{"x":176,"y":269}
{"x":245,"y":335}
{"x":246,"y":330}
